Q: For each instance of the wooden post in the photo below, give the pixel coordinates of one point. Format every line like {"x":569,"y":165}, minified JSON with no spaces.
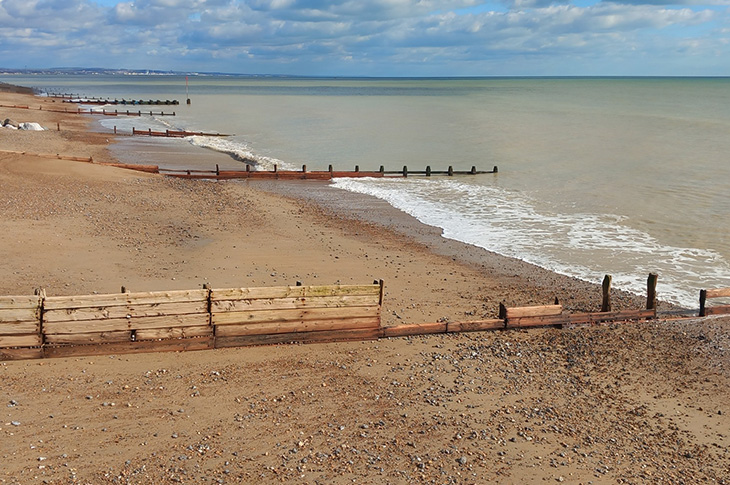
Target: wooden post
{"x":150,"y":131}
{"x":651,"y":291}
{"x":248,"y":167}
{"x":304,"y":168}
{"x":428,"y":170}
{"x":473,"y":170}
{"x":382,"y":291}
{"x":58,"y":126}
{"x":357,"y":168}
{"x":115,"y":129}
{"x":502,"y":311}
{"x":703,"y":300}
{"x":382,"y":169}
{"x":217,"y":171}
{"x":405,"y":171}
{"x":606,"y":304}
{"x":331,"y":169}
{"x":276,"y":168}
{"x":451,"y":171}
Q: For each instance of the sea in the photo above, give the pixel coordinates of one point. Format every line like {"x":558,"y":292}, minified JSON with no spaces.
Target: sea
{"x":596,"y":176}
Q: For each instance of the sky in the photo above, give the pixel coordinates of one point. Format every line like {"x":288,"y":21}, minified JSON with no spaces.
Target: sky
{"x":372,"y":37}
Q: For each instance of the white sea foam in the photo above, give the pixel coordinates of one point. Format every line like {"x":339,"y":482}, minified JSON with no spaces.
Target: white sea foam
{"x":585,"y":246}
{"x":239,"y":151}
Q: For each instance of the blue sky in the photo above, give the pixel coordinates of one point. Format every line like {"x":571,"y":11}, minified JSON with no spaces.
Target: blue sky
{"x":372,"y":37}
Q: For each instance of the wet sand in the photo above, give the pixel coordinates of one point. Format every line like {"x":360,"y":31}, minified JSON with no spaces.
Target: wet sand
{"x":625,"y":403}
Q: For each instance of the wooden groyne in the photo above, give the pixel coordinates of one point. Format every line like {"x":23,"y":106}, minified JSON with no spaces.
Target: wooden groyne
{"x":89,"y":111}
{"x":67,"y":98}
{"x":715,"y":309}
{"x":39,"y":326}
{"x":171,"y":133}
{"x":305,"y":174}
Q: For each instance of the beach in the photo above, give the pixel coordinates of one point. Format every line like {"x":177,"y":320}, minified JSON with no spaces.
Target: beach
{"x":640,"y":402}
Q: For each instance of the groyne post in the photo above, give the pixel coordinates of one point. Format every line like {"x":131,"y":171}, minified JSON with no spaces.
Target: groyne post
{"x":606,"y":304}
{"x":451,"y":171}
{"x":428,"y":170}
{"x":405,"y":171}
{"x":651,"y":291}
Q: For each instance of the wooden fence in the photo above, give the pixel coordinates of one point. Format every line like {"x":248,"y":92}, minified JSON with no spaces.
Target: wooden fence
{"x":62,"y":326}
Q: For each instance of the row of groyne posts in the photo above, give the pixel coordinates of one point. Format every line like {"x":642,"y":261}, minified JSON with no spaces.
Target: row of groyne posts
{"x":40,"y":326}
{"x":321,"y":174}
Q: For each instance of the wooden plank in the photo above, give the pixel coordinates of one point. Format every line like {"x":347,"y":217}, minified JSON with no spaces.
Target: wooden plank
{"x":20,"y":340}
{"x":174,"y":345}
{"x":296,"y":327}
{"x":293,"y":315}
{"x":717,"y":310}
{"x":534,"y":311}
{"x":16,"y":328}
{"x":19,"y":302}
{"x":90,"y":338}
{"x":580,"y":318}
{"x":718,"y":293}
{"x":475,"y":326}
{"x":125,"y":299}
{"x":19,"y":315}
{"x":174,"y":332}
{"x":21,"y":354}
{"x":294,"y":302}
{"x":138,"y":323}
{"x":309,"y":337}
{"x":415,"y":329}
{"x":293,"y":292}
{"x":131,"y":311}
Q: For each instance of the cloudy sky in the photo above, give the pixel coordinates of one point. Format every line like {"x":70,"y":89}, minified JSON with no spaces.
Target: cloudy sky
{"x":372,"y":37}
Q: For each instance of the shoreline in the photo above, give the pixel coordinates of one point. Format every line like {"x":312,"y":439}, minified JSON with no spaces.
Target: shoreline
{"x":638,"y":402}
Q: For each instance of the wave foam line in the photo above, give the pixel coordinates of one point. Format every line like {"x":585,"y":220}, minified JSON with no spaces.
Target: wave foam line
{"x":584,"y":246}
{"x":239,"y":151}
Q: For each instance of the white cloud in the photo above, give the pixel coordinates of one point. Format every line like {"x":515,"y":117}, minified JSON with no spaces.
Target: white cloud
{"x":386,"y":36}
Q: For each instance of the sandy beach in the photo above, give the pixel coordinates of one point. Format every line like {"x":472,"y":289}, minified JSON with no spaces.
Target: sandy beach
{"x":627,"y":403}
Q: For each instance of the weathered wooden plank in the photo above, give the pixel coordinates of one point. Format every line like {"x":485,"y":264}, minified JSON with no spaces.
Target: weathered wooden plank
{"x":137,"y":323}
{"x":125,"y":299}
{"x":293,"y":292}
{"x":295,"y":302}
{"x":10,"y":302}
{"x":141,"y":310}
{"x":718,"y":293}
{"x":19,"y":314}
{"x":415,"y":329}
{"x":293,"y":315}
{"x":475,"y":326}
{"x":533,"y":311}
{"x":580,"y":318}
{"x":308,"y":337}
{"x":174,"y":345}
{"x":90,"y":338}
{"x":15,"y":328}
{"x":717,"y":310}
{"x":21,"y":354}
{"x":297,"y":326}
{"x":32,"y":340}
{"x":174,"y":332}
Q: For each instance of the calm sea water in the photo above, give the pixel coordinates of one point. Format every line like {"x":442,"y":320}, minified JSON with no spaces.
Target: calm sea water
{"x":596,"y":176}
